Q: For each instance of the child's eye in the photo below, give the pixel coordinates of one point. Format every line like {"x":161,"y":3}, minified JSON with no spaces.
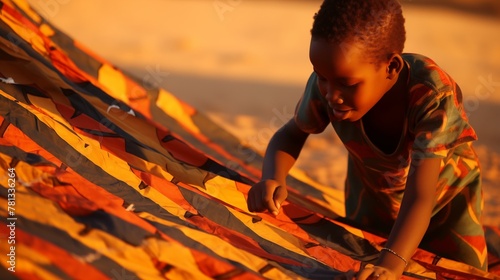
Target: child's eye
{"x":350,"y":85}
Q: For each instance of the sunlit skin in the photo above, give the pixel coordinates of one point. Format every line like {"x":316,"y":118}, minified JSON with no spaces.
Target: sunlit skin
{"x":356,"y":88}
{"x":351,"y":85}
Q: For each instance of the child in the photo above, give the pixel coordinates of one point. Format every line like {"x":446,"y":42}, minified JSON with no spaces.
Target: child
{"x":412,"y":173}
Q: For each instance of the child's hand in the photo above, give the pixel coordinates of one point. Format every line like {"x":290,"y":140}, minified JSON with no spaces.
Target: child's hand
{"x":266,"y":195}
{"x":375,"y":272}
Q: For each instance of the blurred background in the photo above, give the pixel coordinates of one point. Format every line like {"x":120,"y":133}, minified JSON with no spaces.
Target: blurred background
{"x":244,"y":63}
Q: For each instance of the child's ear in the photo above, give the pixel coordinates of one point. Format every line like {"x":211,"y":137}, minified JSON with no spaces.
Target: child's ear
{"x":395,"y":66}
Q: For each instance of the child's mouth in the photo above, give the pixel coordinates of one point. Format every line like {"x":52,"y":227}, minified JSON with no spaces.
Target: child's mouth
{"x":341,"y":114}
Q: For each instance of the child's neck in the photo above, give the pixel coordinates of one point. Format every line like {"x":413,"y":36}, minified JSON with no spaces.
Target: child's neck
{"x":384,"y":123}
{"x":396,"y":95}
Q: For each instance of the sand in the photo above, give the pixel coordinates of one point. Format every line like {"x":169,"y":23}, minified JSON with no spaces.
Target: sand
{"x":244,"y":63}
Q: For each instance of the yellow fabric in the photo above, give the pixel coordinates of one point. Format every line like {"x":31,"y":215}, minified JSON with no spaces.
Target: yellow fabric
{"x":272,"y":233}
{"x":28,"y":260}
{"x":45,"y":211}
{"x":49,"y":108}
{"x":113,"y":80}
{"x":171,"y":106}
{"x":334,"y":197}
{"x":111,"y":164}
{"x":220,"y":247}
{"x":184,"y":265}
{"x":26,"y":175}
{"x":46,"y":30}
{"x":145,"y":133}
{"x":27,"y":34}
{"x":225,"y":190}
{"x":24,"y":5}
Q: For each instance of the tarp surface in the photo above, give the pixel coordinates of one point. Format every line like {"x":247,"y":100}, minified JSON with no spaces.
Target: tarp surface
{"x":105,"y":177}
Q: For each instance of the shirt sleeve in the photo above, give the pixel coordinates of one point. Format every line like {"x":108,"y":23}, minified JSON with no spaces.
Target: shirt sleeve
{"x":311,"y":114}
{"x":438,"y":122}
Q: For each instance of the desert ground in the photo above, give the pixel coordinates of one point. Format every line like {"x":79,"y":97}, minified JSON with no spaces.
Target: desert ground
{"x":244,"y":63}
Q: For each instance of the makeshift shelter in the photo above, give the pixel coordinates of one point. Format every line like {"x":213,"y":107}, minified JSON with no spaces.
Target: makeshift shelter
{"x":105,"y":177}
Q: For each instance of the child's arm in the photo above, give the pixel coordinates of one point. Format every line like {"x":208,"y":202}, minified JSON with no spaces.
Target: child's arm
{"x":281,"y":154}
{"x":412,"y":221}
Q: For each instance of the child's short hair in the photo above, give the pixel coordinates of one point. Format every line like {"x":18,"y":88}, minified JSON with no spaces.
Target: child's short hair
{"x":377,"y":24}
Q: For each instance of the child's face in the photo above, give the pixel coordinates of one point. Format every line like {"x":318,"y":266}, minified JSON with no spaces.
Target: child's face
{"x":351,"y":84}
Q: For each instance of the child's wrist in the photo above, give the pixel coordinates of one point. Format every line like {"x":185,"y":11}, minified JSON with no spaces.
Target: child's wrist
{"x":273,"y":180}
{"x":389,"y":250}
{"x":391,"y":262}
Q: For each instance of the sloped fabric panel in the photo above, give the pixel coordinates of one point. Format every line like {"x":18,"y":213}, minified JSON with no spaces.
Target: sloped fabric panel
{"x":114,"y":179}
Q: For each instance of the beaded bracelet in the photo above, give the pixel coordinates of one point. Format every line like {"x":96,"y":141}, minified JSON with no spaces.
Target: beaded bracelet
{"x":395,"y":254}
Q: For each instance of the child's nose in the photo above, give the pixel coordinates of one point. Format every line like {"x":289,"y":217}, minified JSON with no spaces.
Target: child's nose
{"x":334,"y":97}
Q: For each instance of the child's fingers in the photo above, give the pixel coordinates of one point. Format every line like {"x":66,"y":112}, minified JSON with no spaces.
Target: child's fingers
{"x":254,"y":201}
{"x":258,"y":196}
{"x":266,"y":195}
{"x":251,"y":200}
{"x":279,"y":195}
{"x":267,"y":198}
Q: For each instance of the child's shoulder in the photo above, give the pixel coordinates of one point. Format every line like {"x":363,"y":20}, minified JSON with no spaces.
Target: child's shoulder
{"x":424,"y":71}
